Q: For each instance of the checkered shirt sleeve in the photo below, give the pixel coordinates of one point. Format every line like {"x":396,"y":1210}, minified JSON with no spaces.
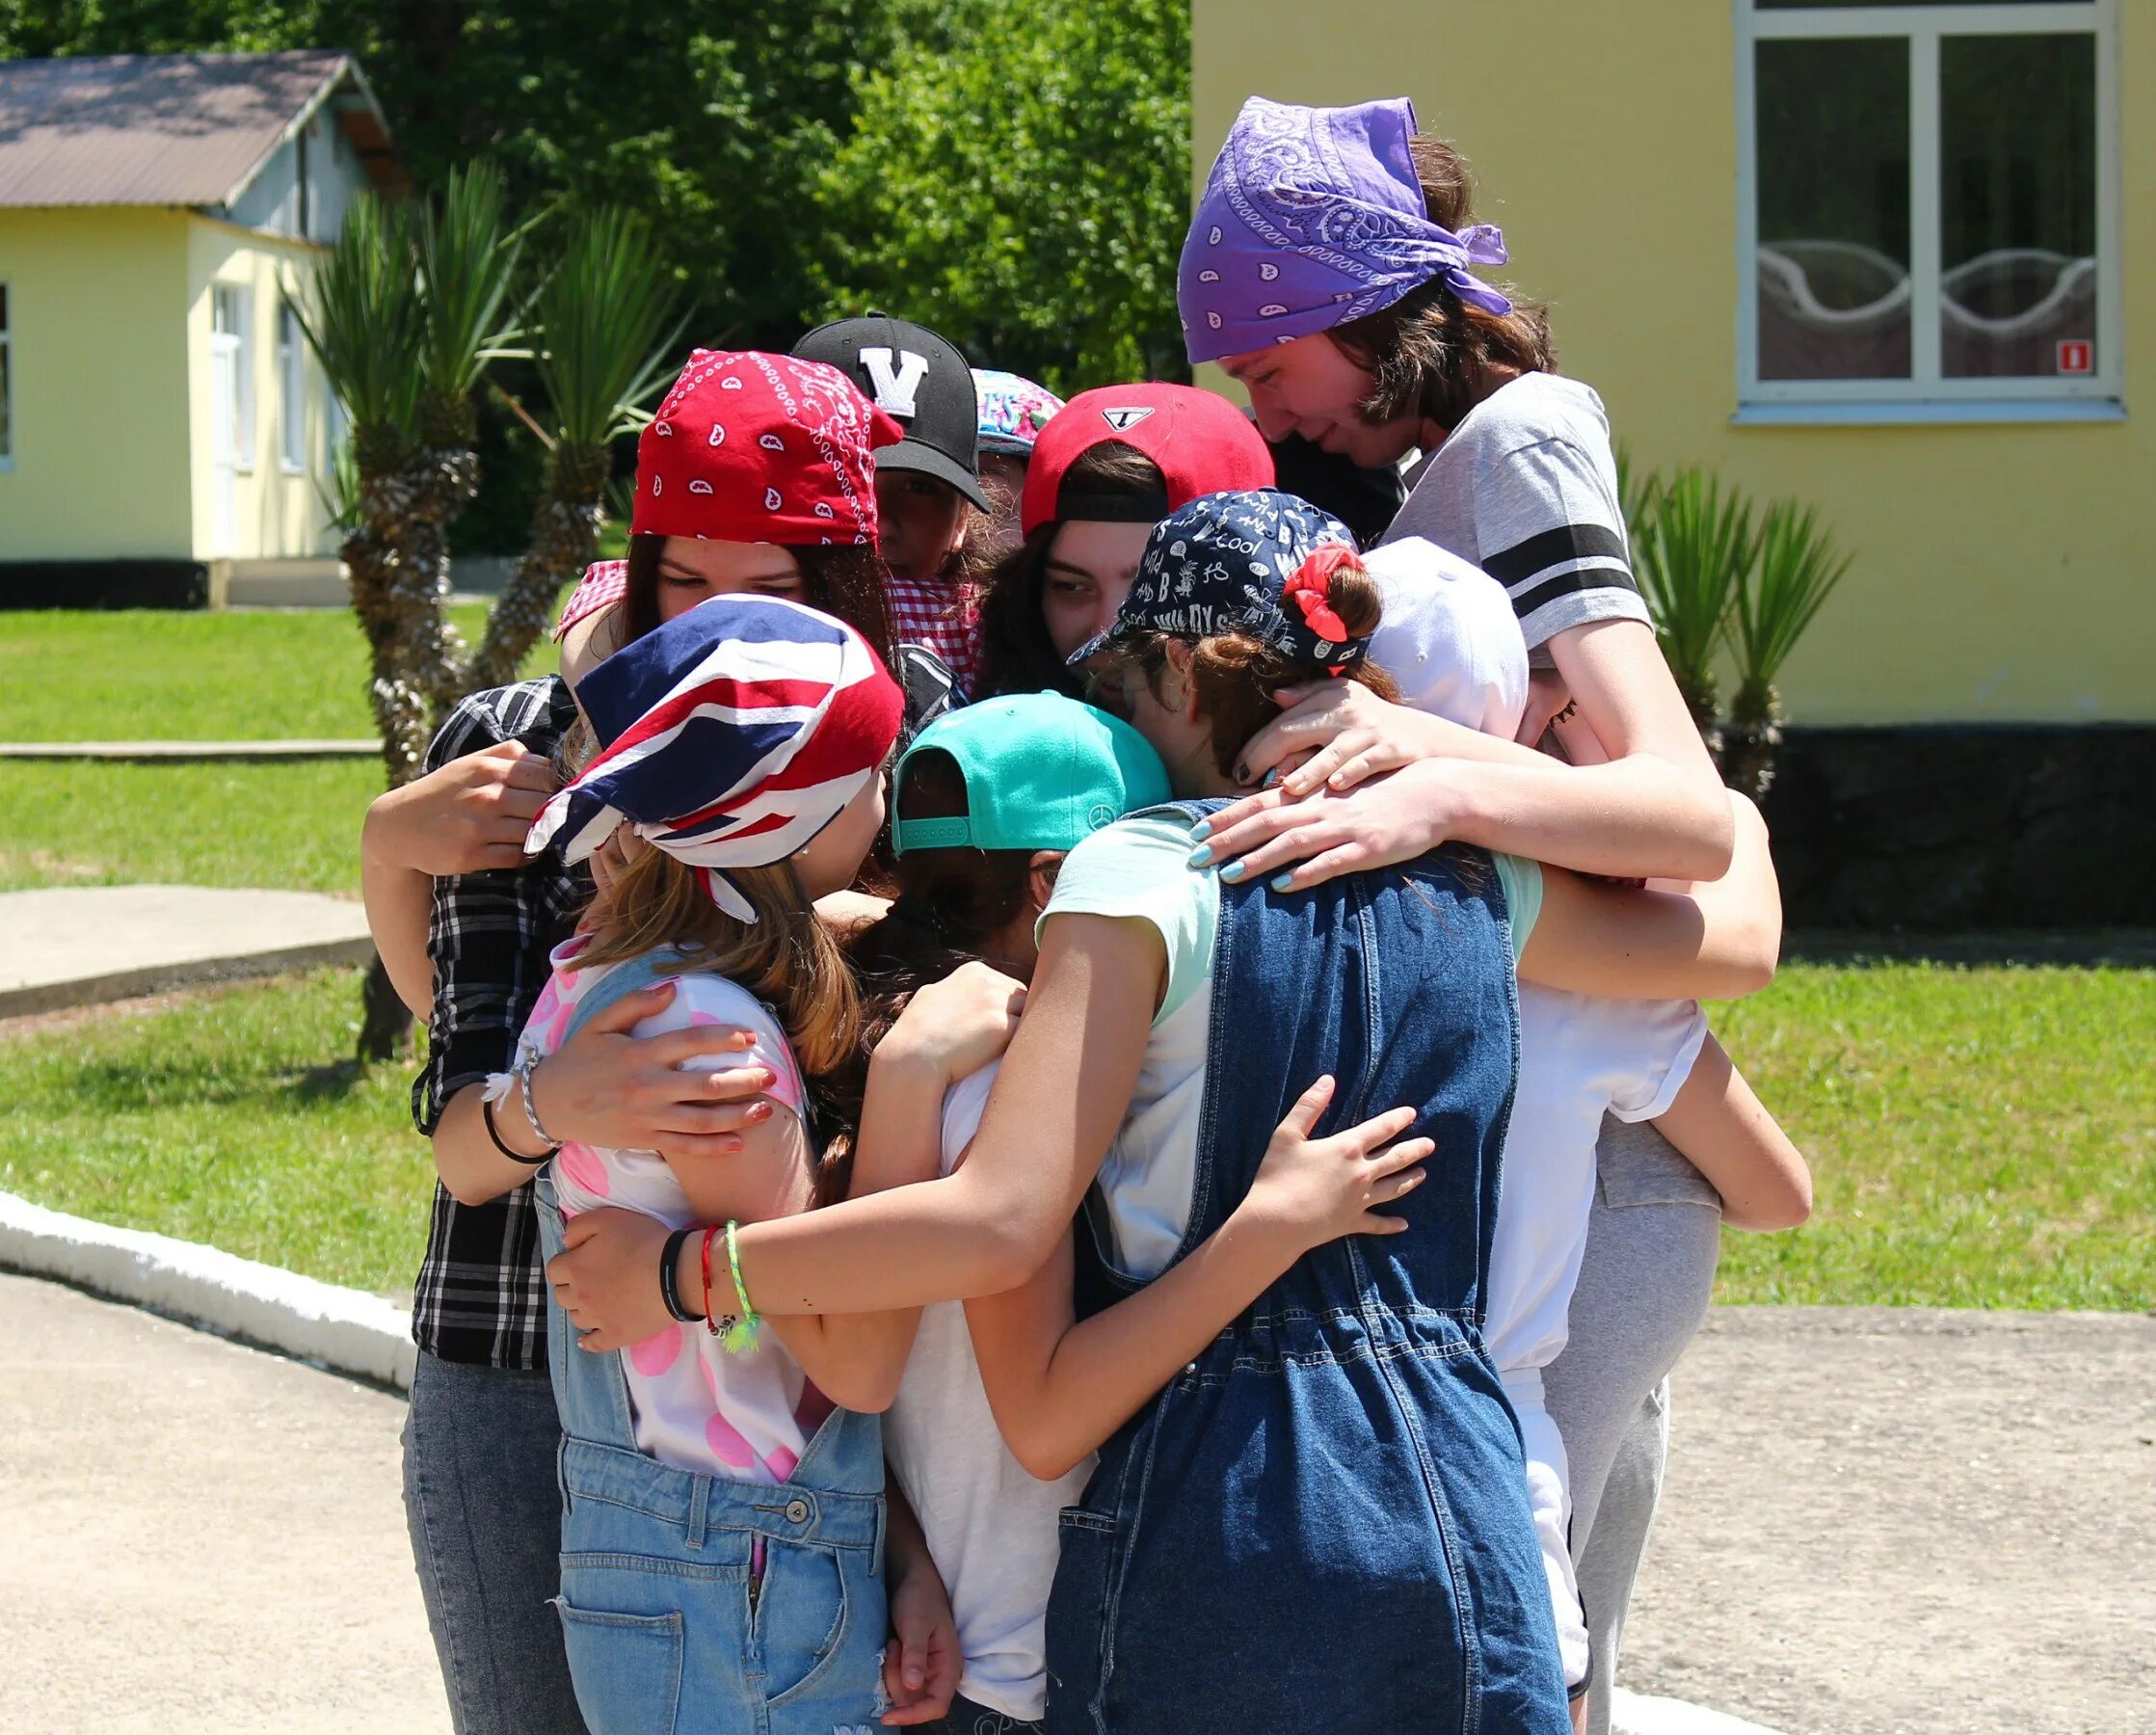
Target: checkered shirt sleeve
{"x":481,"y":1294}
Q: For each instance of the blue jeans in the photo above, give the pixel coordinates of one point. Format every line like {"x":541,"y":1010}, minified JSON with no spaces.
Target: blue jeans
{"x":485,"y":1514}
{"x":964,"y":1718}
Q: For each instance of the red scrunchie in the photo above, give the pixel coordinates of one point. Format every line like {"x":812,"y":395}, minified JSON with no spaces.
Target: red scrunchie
{"x":1312,"y":588}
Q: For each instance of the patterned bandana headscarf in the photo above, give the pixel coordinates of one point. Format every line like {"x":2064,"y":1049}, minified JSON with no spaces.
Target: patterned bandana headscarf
{"x":1013,"y":411}
{"x":1258,"y":561}
{"x":729,"y":737}
{"x":757,"y":448}
{"x":1313,"y":217}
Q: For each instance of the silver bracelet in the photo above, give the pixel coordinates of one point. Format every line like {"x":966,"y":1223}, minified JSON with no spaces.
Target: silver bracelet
{"x":524,"y":1065}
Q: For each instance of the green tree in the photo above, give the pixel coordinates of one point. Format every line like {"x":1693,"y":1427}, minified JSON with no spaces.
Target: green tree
{"x":1017,"y":177}
{"x":709,"y":118}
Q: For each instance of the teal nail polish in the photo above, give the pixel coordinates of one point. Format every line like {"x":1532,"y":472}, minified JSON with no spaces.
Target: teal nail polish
{"x":1282,"y":882}
{"x":1202,"y":829}
{"x":1232,"y":871}
{"x":1202,"y":856}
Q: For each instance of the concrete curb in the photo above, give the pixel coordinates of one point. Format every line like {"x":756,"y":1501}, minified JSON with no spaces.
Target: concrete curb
{"x":343,"y":1331}
{"x":189,"y":750}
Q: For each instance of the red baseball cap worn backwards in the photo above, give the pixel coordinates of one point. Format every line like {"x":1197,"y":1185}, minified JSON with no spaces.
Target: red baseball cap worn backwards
{"x":1200,"y":442}
{"x":757,"y":448}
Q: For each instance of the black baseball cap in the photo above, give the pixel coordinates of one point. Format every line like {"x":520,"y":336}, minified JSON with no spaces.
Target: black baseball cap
{"x":919,"y":379}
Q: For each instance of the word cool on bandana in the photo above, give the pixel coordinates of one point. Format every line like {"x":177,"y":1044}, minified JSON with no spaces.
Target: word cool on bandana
{"x":729,"y":737}
{"x":1313,"y":217}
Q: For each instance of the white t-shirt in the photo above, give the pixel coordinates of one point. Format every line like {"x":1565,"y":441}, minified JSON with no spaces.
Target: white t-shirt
{"x":1526,"y":488}
{"x":1140,"y":868}
{"x":990,"y":1527}
{"x":1578,"y":1057}
{"x":746,"y":1415}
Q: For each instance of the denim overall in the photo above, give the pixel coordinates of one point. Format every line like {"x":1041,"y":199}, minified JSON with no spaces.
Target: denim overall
{"x":1323,"y":1523}
{"x":694,"y":1602}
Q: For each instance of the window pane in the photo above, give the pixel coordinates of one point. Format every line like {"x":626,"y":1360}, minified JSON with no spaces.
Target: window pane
{"x":1833,"y":152}
{"x":1859,"y":5}
{"x":2017,"y":205}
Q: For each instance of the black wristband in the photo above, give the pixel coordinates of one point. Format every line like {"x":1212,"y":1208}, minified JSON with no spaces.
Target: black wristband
{"x":670,"y":1268}
{"x":487,"y":1113}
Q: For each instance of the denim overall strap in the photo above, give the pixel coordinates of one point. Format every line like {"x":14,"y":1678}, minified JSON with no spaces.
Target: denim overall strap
{"x":1322,"y":1522}
{"x":592,"y":1391}
{"x":692,"y":1601}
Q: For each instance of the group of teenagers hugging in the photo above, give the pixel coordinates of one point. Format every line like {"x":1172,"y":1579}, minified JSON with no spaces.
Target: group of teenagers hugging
{"x":1068,"y":1095}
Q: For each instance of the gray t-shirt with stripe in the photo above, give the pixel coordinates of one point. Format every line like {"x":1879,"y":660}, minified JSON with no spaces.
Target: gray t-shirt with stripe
{"x":1526,"y":488}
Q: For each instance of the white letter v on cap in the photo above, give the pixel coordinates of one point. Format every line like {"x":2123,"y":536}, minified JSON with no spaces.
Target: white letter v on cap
{"x":894,"y":390}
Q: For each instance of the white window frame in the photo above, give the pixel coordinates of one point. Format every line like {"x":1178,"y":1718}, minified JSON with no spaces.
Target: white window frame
{"x":292,"y":391}
{"x":7,"y":383}
{"x":1926,"y":395}
{"x":242,"y":338}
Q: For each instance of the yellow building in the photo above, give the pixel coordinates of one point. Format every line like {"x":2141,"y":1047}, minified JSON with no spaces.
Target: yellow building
{"x":165,"y":434}
{"x":1897,"y":260}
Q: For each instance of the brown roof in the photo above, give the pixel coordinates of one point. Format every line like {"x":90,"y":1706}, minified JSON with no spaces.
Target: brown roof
{"x":157,"y":129}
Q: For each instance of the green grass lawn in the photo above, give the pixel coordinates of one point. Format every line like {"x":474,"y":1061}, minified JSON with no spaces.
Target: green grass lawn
{"x":146,"y":675}
{"x":1982,"y":1137}
{"x":293,"y":826}
{"x":225,"y":1117}
{"x":152,"y":676}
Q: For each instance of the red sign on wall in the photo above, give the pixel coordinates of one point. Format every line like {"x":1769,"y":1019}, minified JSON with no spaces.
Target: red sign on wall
{"x":2076,"y":355}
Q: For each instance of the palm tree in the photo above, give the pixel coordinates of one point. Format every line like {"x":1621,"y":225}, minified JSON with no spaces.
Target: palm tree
{"x":362,"y":321}
{"x":1694,"y":547}
{"x":466,"y":259}
{"x":1777,"y":598}
{"x":601,"y":350}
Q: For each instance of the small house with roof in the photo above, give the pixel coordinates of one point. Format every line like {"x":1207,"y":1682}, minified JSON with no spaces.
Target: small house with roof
{"x":166,"y":438}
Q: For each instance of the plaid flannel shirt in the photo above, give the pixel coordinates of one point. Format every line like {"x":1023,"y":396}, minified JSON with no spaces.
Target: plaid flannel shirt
{"x":481,"y":1294}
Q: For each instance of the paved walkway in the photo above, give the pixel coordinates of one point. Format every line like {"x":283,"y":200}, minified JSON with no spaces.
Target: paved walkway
{"x":1877,"y":1521}
{"x":1886,"y":1520}
{"x":74,"y":946}
{"x":197,"y":1537}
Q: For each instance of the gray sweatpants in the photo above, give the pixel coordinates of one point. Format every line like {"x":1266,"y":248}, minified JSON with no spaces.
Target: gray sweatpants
{"x":1646,"y":1280}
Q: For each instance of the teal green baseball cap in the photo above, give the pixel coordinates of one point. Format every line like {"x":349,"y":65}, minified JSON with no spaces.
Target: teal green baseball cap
{"x":1042,"y":772}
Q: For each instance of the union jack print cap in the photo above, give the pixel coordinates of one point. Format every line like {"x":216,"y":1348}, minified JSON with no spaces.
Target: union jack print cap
{"x":729,"y":737}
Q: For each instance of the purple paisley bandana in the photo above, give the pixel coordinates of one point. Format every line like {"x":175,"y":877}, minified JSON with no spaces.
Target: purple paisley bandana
{"x":1313,"y":217}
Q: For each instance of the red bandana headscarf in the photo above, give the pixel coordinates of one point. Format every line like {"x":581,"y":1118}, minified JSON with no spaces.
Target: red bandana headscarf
{"x":757,"y":448}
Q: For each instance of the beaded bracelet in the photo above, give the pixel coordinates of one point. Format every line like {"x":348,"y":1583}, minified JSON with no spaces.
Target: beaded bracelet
{"x":711,"y":1321}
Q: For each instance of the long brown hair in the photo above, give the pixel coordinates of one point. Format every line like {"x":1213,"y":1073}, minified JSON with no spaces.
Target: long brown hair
{"x":1431,"y":351}
{"x":1017,"y":654}
{"x":951,"y":904}
{"x":1235,"y":675}
{"x":786,"y":958}
{"x":845,"y":580}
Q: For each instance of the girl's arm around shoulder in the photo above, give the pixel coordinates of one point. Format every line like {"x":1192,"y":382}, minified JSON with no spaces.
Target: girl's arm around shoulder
{"x":1055,"y":1107}
{"x":968,"y":1019}
{"x":1715,"y":940}
{"x":1723,"y":1127}
{"x":1060,"y":1387}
